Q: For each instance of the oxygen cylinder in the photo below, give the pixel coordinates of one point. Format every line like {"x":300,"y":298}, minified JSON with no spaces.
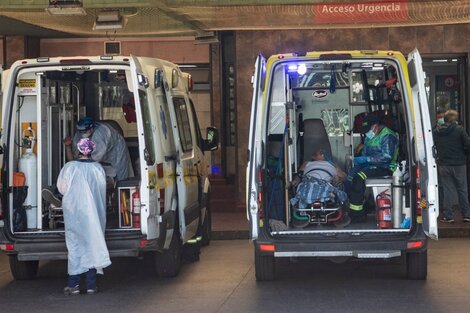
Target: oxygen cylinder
{"x":28,"y":165}
{"x":136,"y":209}
{"x":397,"y":197}
{"x":384,"y":207}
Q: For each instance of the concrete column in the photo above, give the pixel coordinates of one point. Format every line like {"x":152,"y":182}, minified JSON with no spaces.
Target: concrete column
{"x":19,"y":47}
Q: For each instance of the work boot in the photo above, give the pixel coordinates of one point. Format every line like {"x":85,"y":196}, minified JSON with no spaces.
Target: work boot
{"x":358,"y":218}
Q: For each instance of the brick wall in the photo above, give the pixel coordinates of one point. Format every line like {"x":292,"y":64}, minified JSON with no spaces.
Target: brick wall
{"x":428,"y":40}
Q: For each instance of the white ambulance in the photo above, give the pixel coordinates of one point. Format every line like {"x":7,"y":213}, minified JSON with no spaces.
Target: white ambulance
{"x":319,"y":100}
{"x":163,"y":208}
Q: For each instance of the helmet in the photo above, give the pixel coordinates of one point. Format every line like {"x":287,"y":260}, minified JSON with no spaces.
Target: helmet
{"x":85,"y":123}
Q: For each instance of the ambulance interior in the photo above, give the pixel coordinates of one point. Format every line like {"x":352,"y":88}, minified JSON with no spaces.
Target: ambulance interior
{"x":47,"y":105}
{"x":323,"y":104}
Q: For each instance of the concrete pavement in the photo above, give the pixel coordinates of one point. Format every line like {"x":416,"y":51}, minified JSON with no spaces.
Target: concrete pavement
{"x":223,"y":281}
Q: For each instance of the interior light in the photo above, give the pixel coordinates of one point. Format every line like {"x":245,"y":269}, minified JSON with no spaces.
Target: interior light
{"x":301,"y":69}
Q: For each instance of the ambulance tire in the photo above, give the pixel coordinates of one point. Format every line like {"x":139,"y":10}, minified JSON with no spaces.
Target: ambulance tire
{"x":206,"y":227}
{"x":168,"y":262}
{"x":417,"y":265}
{"x":23,"y":270}
{"x":264,"y":267}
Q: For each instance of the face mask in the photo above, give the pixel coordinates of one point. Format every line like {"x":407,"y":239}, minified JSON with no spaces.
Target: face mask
{"x":370,"y":134}
{"x":86,"y":134}
{"x":440,"y":121}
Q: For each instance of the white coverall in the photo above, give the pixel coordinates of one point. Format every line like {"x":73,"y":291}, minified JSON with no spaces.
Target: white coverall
{"x":83,"y":186}
{"x":111,"y":149}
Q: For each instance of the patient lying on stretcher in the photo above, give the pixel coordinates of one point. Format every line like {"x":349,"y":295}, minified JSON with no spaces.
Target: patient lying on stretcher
{"x":319,"y":187}
{"x":320,"y":168}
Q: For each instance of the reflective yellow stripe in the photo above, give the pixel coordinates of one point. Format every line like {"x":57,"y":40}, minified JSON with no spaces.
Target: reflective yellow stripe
{"x":195,"y":239}
{"x":362,"y":175}
{"x":355,"y":207}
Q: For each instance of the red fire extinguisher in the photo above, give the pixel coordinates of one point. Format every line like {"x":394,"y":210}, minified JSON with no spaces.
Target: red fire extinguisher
{"x":136,"y":209}
{"x":384,"y":211}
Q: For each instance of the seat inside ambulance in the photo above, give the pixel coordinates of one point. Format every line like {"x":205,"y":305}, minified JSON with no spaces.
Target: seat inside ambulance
{"x":314,"y":137}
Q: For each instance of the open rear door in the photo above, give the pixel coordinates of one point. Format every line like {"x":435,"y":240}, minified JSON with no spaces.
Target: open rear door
{"x":254,"y":147}
{"x":424,"y":145}
{"x":146,"y":135}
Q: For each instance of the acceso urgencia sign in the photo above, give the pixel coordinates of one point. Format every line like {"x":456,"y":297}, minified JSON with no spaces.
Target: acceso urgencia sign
{"x":362,"y":8}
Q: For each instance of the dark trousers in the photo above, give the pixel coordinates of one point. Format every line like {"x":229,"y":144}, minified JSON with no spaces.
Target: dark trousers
{"x":356,"y":186}
{"x":454,"y":178}
{"x":74,"y":280}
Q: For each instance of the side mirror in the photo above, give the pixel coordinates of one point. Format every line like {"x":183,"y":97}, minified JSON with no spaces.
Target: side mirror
{"x":212,"y":141}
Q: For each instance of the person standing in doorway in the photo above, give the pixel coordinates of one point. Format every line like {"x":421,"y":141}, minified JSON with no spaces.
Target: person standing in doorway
{"x":453,"y":144}
{"x":82,"y":183}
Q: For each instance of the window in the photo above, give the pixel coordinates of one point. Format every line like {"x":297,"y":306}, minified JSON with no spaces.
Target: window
{"x":147,"y":127}
{"x":196,"y":124}
{"x":182,"y":119}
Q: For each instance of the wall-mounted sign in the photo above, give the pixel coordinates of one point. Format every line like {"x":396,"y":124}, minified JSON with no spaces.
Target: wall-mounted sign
{"x":361,"y":12}
{"x":27,"y":87}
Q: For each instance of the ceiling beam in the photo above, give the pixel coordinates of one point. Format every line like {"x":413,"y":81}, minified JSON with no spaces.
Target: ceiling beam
{"x":182,"y":18}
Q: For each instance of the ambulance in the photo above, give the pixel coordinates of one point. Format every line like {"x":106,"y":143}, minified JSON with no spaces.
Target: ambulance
{"x":303,"y":102}
{"x":163,"y":208}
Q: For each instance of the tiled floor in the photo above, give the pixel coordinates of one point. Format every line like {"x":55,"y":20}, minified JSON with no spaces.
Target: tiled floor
{"x":229,"y":221}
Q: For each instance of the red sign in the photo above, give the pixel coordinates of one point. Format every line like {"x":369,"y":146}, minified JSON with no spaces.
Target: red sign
{"x":361,"y":12}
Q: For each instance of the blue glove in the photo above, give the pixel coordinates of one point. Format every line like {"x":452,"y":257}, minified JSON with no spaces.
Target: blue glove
{"x":360,"y":160}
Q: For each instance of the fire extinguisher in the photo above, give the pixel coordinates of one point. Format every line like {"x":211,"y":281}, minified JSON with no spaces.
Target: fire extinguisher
{"x":384,"y":211}
{"x":136,"y":209}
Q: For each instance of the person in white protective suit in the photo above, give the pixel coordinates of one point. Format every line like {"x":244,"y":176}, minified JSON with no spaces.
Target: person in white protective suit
{"x":111,"y":149}
{"x":82,"y":183}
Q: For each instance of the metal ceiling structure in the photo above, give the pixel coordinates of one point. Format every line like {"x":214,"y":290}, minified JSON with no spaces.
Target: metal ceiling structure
{"x":189,"y":17}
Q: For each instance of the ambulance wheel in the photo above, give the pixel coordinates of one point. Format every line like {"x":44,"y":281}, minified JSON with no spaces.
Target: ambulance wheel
{"x":417,"y":265}
{"x":206,"y":228}
{"x":264,"y":267}
{"x":23,"y":270}
{"x":168,"y":262}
